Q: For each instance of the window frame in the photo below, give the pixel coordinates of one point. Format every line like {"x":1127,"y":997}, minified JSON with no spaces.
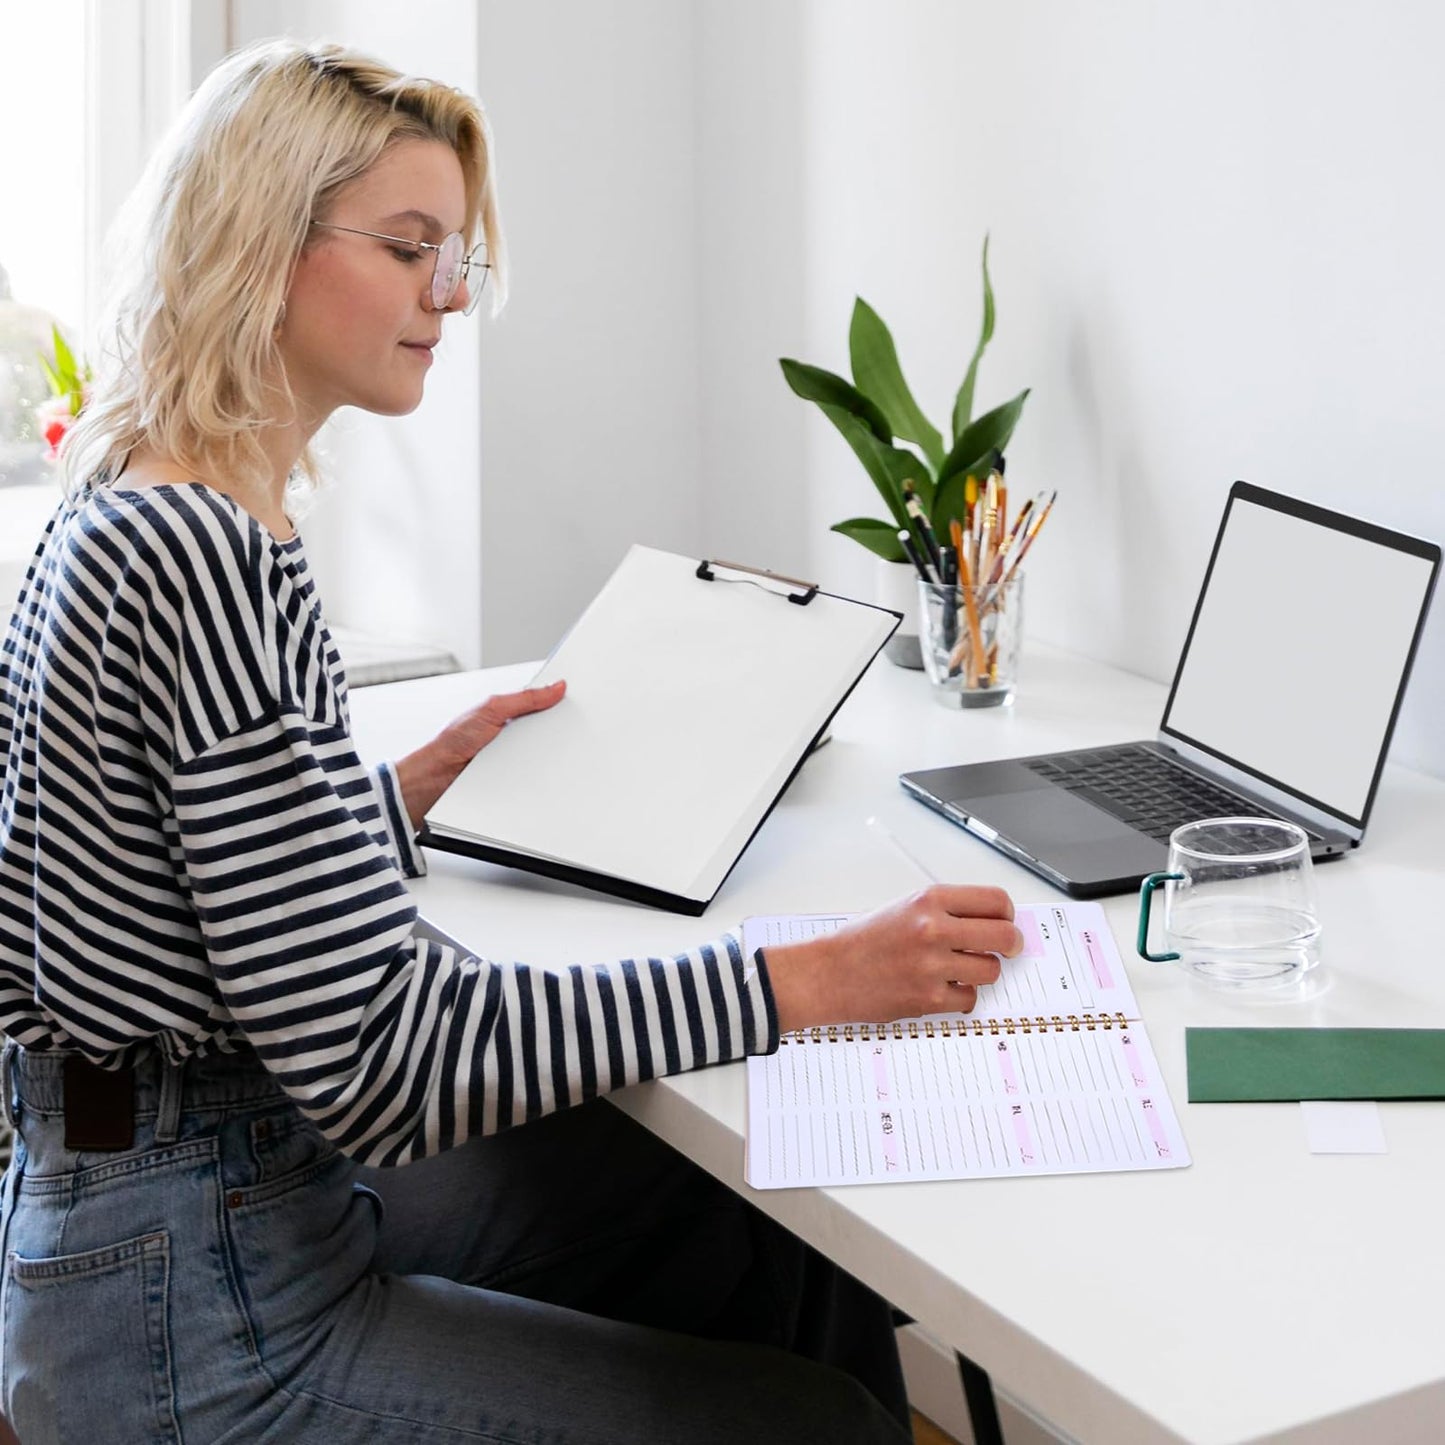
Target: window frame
{"x":143,"y":59}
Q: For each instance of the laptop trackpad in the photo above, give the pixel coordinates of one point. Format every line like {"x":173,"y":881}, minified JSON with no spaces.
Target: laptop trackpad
{"x":1038,"y":818}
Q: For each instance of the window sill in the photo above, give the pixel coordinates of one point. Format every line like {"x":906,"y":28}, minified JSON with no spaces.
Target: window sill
{"x":369,"y":660}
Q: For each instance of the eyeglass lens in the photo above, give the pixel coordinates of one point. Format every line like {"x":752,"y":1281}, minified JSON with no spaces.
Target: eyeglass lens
{"x":452,"y":265}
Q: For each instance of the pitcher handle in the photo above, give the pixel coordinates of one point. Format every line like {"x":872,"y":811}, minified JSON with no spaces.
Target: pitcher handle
{"x":1146,"y":898}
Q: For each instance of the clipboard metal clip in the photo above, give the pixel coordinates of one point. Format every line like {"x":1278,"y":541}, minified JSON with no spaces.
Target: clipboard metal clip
{"x":759,"y":577}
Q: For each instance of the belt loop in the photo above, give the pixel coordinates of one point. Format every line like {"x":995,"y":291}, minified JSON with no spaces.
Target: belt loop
{"x":168,"y":1116}
{"x":7,"y":1083}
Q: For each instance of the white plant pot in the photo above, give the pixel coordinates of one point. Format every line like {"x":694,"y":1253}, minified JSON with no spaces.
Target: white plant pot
{"x":895,"y":586}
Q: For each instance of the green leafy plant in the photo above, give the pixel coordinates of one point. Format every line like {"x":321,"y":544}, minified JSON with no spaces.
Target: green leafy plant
{"x":69,"y":382}
{"x":888,"y":431}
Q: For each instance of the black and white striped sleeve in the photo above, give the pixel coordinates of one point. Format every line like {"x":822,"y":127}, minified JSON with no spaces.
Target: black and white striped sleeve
{"x":400,"y":835}
{"x":399,"y":1047}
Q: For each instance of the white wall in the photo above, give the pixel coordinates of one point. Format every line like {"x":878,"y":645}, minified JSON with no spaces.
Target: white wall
{"x":589,"y":381}
{"x":751,"y":244}
{"x":1216,"y":234}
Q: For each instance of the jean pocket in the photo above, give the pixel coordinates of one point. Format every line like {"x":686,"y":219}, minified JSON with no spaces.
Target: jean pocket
{"x":57,"y":1388}
{"x":287,"y":1151}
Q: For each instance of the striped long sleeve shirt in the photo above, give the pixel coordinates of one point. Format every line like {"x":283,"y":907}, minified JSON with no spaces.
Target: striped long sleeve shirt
{"x":193,"y":856}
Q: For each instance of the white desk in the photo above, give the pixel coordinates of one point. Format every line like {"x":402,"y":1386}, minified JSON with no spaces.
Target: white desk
{"x":1265,"y":1294}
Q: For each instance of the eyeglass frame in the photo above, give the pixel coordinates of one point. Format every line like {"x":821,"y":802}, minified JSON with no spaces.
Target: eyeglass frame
{"x":464,"y":265}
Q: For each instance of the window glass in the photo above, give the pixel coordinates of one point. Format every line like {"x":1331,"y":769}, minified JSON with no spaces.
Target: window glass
{"x":42,"y":219}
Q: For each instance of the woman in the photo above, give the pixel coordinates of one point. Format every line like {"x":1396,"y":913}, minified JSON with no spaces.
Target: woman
{"x":225,"y":1035}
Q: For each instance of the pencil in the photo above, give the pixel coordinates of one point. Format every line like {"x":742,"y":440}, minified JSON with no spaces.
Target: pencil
{"x":955,"y":535}
{"x":948,"y":580}
{"x":910,"y":548}
{"x":1002,"y":498}
{"x":973,"y":644}
{"x":1010,"y":541}
{"x":975,"y":542}
{"x":1027,"y":542}
{"x":919,"y":518}
{"x":1022,"y":519}
{"x":990,"y":540}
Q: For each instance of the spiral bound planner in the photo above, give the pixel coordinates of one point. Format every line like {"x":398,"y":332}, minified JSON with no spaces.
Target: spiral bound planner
{"x":1051,"y":1073}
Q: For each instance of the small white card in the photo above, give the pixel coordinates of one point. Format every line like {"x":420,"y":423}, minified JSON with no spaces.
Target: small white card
{"x":1344,"y":1126}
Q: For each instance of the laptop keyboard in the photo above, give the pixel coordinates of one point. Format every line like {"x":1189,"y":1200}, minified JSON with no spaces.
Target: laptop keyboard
{"x":1144,"y":789}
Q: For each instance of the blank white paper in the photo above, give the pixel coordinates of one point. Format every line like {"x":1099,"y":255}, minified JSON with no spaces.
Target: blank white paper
{"x":688,"y":704}
{"x":1343,"y":1126}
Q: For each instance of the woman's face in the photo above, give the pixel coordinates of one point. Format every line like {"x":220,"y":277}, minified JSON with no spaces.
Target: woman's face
{"x":359,"y":325}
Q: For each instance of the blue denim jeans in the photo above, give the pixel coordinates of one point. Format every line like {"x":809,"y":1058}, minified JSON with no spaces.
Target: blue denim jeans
{"x":231,"y":1277}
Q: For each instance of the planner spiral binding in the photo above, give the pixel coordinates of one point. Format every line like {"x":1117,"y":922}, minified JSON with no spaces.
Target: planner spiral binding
{"x":957,"y":1028}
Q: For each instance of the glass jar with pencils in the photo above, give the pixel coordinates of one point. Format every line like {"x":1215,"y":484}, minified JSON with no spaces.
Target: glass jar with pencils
{"x":970,"y":637}
{"x":970,"y":593}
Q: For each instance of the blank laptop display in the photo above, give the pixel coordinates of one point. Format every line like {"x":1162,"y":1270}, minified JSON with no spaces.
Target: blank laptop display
{"x":1283,"y":703}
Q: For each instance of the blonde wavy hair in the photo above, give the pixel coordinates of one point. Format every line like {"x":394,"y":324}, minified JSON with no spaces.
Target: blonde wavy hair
{"x":206,"y":243}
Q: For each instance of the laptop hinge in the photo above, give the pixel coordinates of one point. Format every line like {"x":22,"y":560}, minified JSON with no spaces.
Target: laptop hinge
{"x":1277,"y":799}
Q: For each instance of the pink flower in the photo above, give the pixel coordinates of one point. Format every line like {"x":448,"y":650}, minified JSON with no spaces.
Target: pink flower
{"x":54,"y":417}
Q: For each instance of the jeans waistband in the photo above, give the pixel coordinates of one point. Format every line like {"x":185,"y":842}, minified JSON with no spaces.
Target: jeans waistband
{"x":34,"y":1081}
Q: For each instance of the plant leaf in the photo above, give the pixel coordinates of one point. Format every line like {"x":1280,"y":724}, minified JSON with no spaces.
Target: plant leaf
{"x":889,"y":467}
{"x":57,"y":387}
{"x":65,"y":365}
{"x":878,"y":537}
{"x":981,"y":438}
{"x":812,"y":383}
{"x":963,"y":402}
{"x":877,"y":374}
{"x":948,"y":503}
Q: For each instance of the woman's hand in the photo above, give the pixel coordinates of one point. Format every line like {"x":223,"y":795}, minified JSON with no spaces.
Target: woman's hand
{"x":428,"y":772}
{"x":921,"y":955}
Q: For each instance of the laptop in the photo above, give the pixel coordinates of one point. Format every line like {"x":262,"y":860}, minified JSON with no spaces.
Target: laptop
{"x":1283,"y":704}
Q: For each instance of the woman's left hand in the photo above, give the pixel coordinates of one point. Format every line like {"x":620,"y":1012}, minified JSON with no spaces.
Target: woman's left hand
{"x":428,"y":772}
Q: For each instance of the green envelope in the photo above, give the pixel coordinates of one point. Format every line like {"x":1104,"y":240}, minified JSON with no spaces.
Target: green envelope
{"x":1235,"y":1065}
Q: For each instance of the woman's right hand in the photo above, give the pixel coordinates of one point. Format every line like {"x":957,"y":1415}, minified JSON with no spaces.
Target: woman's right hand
{"x":924,"y":954}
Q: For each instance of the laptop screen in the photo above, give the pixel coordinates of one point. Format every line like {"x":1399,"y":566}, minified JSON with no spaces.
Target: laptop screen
{"x":1301,"y":643}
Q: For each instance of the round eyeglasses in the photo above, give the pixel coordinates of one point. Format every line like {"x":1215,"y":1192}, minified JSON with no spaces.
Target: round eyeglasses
{"x":453,"y":264}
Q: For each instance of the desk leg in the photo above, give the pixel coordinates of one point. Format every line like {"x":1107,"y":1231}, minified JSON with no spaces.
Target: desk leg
{"x":982,"y":1411}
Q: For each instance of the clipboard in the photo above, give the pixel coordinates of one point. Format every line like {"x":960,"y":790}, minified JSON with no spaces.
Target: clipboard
{"x":695,"y":691}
